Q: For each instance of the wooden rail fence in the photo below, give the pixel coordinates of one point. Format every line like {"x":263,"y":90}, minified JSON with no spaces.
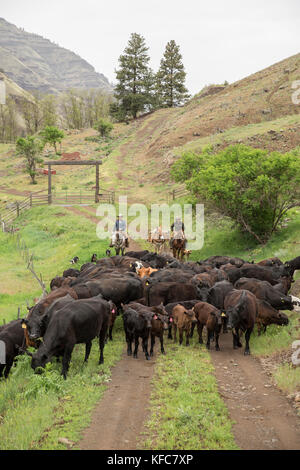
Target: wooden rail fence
{"x":41,"y":198}
{"x":177,"y":193}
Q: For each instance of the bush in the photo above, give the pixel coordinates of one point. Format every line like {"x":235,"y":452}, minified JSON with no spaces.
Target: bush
{"x":104,"y":127}
{"x":253,"y":187}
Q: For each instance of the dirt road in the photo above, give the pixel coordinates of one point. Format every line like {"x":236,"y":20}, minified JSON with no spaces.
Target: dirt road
{"x":264,"y":419}
{"x":119,"y":418}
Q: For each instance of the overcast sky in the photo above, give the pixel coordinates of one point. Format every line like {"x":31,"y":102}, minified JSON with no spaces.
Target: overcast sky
{"x":219,"y":39}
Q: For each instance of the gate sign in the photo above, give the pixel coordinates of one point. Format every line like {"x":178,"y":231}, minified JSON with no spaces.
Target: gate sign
{"x":2,"y":92}
{"x":2,"y":353}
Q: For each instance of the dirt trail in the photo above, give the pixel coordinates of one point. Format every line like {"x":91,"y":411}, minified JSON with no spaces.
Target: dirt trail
{"x":264,"y":419}
{"x":14,"y":192}
{"x":118,"y":419}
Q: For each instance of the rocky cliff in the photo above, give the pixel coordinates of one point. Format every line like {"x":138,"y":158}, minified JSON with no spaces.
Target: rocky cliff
{"x":35,"y":63}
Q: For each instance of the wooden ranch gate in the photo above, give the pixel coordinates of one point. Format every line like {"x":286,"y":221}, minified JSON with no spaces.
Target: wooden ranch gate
{"x":41,"y":198}
{"x":96,"y":163}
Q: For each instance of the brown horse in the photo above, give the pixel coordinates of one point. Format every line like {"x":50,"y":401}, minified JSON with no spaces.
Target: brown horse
{"x":178,"y":248}
{"x":178,"y":244}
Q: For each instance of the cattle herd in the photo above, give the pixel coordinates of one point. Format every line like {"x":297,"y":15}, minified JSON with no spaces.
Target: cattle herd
{"x":153,"y":293}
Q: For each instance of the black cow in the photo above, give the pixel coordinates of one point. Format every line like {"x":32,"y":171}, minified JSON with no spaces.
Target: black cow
{"x":293,"y":265}
{"x":137,"y":254}
{"x":263,"y":273}
{"x":71,"y":272}
{"x":12,"y":335}
{"x":36,"y":324}
{"x":265,"y":291}
{"x":33,"y":322}
{"x":241,"y":311}
{"x":118,"y":289}
{"x":217,"y":293}
{"x":137,"y":325}
{"x":155,"y":261}
{"x":160,"y":322}
{"x":78,"y":322}
{"x":167,"y":292}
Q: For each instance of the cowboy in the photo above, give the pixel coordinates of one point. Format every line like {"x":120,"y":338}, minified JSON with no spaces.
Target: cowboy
{"x":120,"y":226}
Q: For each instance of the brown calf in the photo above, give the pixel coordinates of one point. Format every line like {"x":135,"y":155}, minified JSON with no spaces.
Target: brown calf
{"x":210,"y":317}
{"x":268,"y":315}
{"x":183,"y":320}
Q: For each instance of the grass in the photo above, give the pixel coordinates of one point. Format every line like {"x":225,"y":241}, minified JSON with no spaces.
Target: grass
{"x":37,"y":410}
{"x":186,"y":410}
{"x":287,"y":377}
{"x":221,"y":237}
{"x":54,"y":235}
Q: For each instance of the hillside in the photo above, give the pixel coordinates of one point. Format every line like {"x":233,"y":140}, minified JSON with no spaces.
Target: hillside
{"x":257,"y":111}
{"x":18,"y":96}
{"x":35,"y":63}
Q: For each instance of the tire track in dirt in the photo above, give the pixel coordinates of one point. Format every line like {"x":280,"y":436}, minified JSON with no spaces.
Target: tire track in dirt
{"x":263,"y":416}
{"x":118,"y":419}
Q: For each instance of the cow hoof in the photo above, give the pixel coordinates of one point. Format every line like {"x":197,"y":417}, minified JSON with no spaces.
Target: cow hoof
{"x":129,"y":353}
{"x":247,"y":353}
{"x":217,"y":348}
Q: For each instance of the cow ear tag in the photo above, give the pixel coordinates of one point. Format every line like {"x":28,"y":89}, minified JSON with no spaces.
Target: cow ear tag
{"x":223,"y":314}
{"x":155,"y":317}
{"x":171,"y":319}
{"x":113,"y":310}
{"x":24,"y":326}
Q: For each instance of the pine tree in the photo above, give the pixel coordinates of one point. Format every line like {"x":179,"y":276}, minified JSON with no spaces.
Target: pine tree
{"x":133,"y":89}
{"x":171,"y":77}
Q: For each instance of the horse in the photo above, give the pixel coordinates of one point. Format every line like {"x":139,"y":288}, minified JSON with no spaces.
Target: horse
{"x":120,"y":243}
{"x":178,"y":245}
{"x":158,"y":238}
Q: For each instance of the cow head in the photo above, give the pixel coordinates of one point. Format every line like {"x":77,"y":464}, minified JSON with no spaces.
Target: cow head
{"x":35,"y":323}
{"x":191,"y":315}
{"x":39,"y":359}
{"x":280,"y":319}
{"x":164,"y":319}
{"x":233,"y":315}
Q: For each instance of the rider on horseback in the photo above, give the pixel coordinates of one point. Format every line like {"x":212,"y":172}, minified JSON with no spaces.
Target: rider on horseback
{"x":119,"y":227}
{"x":177,"y":231}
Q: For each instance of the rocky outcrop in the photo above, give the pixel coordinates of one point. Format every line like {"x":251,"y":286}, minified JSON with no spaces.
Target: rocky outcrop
{"x":35,"y":63}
